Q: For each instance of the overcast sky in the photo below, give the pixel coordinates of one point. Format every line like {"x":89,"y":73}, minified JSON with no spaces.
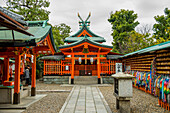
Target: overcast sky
{"x":65,"y":11}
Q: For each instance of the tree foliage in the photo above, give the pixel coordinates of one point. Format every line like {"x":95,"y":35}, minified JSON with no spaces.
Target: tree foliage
{"x":60,"y":32}
{"x":137,"y":41}
{"x":123,"y":23}
{"x":30,"y":9}
{"x":162,"y":27}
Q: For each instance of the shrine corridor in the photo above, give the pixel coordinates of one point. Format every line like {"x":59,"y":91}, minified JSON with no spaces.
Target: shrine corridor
{"x":85,"y":99}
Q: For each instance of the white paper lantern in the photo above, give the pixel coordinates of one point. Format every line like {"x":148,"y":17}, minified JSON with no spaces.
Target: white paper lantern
{"x":91,"y":60}
{"x":79,"y":60}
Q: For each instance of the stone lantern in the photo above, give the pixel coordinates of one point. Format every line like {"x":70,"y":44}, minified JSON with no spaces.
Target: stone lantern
{"x":123,"y":91}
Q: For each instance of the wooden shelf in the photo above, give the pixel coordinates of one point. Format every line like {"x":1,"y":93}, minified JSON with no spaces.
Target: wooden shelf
{"x":163,"y":67}
{"x":163,"y":72}
{"x":163,"y":55}
{"x":163,"y":63}
{"x":163,"y":59}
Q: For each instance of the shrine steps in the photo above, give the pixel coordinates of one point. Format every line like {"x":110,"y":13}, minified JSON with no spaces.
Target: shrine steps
{"x":85,"y":80}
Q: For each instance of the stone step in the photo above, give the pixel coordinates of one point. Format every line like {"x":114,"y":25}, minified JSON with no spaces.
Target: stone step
{"x":85,"y":80}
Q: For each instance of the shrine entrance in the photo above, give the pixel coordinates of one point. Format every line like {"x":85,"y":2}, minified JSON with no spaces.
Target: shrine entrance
{"x":86,"y":68}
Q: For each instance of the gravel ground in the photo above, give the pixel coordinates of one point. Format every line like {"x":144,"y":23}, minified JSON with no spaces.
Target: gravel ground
{"x":52,"y":103}
{"x":140,"y":103}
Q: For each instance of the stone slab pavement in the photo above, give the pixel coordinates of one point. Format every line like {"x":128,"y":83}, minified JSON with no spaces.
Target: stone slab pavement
{"x":19,"y":108}
{"x":85,"y":99}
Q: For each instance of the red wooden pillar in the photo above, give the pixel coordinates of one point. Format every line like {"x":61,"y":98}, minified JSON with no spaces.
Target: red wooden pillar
{"x":6,"y":69}
{"x":61,"y":67}
{"x":72,"y":71}
{"x":98,"y":69}
{"x":33,"y":83}
{"x":44,"y":67}
{"x":109,"y":67}
{"x":17,"y":80}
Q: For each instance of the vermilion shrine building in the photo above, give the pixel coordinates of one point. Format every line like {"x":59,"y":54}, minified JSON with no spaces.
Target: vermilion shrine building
{"x":82,"y":55}
{"x":23,"y":41}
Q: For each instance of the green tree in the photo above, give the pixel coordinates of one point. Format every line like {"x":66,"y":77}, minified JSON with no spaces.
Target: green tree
{"x":30,"y":9}
{"x":137,"y":41}
{"x":162,"y":27}
{"x":60,"y":32}
{"x":123,"y":22}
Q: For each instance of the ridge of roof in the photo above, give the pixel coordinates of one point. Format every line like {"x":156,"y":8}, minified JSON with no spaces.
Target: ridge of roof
{"x":41,"y":23}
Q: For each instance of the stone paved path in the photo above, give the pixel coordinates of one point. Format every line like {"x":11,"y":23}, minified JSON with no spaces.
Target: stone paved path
{"x":85,"y":99}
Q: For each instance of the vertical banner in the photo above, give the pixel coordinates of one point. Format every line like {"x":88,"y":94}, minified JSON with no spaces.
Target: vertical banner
{"x":32,"y":57}
{"x":25,"y":56}
{"x":118,"y":67}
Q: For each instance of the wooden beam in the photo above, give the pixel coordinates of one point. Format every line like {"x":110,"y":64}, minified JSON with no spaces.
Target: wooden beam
{"x":50,"y":44}
{"x":41,"y":48}
{"x":86,"y":43}
{"x":2,"y":54}
{"x":90,"y":53}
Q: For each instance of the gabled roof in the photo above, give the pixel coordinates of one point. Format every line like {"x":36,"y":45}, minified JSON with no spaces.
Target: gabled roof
{"x":84,"y":26}
{"x":85,"y":39}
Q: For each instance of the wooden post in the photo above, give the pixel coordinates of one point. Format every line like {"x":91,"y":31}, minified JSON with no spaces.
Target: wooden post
{"x":61,"y":67}
{"x":17,"y":80}
{"x":109,"y":66}
{"x":6,"y":69}
{"x":44,"y":67}
{"x":72,"y":71}
{"x":98,"y":68}
{"x":33,"y":83}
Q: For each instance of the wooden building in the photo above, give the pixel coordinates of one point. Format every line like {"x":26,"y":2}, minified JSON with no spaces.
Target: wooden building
{"x":151,"y":68}
{"x":82,"y":55}
{"x":21,"y":40}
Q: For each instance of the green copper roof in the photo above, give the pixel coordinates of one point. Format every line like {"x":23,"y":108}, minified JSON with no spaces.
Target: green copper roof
{"x":150,"y":49}
{"x":85,"y":39}
{"x":39,"y":29}
{"x":84,"y":25}
{"x":38,"y":33}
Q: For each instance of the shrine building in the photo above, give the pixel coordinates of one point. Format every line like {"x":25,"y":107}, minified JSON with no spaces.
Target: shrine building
{"x":83,"y":54}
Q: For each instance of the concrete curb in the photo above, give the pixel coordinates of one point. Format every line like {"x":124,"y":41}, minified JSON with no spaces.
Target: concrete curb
{"x":67,"y":100}
{"x":25,"y":102}
{"x":104,"y":101}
